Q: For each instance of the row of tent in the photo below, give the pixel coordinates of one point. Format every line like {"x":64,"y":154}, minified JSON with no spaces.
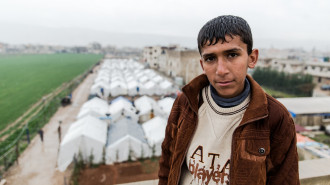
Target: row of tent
{"x":139,"y":110}
{"x":127,"y":77}
{"x":112,"y":132}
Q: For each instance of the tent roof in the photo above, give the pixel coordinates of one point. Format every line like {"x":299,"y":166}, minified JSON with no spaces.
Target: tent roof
{"x":120,"y":98}
{"x":144,"y":104}
{"x":132,"y":84}
{"x":125,"y":127}
{"x":165,"y":84}
{"x":157,"y":78}
{"x":89,"y":127}
{"x":154,"y":129}
{"x":166,"y":104}
{"x":116,"y":84}
{"x":149,"y":85}
{"x":119,"y":104}
{"x":92,"y":112}
{"x":143,"y":79}
{"x":95,"y":103}
{"x":100,"y":84}
{"x":307,"y":105}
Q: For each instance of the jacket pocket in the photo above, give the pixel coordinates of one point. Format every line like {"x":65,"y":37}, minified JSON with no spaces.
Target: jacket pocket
{"x":250,"y":164}
{"x":255,"y":149}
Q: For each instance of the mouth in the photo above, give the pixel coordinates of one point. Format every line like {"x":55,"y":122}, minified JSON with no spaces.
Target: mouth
{"x":224,"y":83}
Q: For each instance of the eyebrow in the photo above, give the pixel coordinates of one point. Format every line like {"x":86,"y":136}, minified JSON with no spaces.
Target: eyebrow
{"x":226,"y":51}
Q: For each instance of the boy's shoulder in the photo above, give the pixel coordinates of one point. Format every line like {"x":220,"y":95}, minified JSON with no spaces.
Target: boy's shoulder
{"x":276,"y":107}
{"x":279,"y":119}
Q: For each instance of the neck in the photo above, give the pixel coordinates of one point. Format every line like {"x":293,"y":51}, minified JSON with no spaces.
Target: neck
{"x":231,"y":102}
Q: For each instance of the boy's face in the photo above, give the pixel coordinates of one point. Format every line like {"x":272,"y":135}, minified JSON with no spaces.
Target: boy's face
{"x":225,"y":65}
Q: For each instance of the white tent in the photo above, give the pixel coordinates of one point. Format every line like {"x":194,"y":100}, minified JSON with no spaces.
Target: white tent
{"x":157,"y":79}
{"x":132,"y":88}
{"x":90,"y":112}
{"x":121,"y":108}
{"x":96,"y":88}
{"x":105,"y":79}
{"x":95,"y":107}
{"x":126,"y":141}
{"x":145,"y":105}
{"x":118,"y":88}
{"x":154,"y":130}
{"x":166,"y":87}
{"x":130,"y":78}
{"x":95,"y":103}
{"x":143,"y":79}
{"x":165,"y":105}
{"x":149,"y":88}
{"x":87,"y":136}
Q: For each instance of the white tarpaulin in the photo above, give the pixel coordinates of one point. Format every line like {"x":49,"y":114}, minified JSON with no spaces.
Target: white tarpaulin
{"x":166,"y":87}
{"x":97,"y":89}
{"x":149,"y":88}
{"x":132,"y":88}
{"x":87,"y":136}
{"x":145,"y":105}
{"x":118,"y":88}
{"x":121,"y":108}
{"x":95,"y":107}
{"x":165,"y":105}
{"x":126,"y":141}
{"x":154,"y":130}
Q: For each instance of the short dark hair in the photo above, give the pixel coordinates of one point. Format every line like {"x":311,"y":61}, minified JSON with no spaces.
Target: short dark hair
{"x":216,"y":29}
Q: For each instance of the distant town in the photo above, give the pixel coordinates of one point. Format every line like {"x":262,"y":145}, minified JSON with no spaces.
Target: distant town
{"x":182,"y":63}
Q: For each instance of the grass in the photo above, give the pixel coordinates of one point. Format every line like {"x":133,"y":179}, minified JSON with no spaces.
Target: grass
{"x":277,"y":94}
{"x":322,"y":138}
{"x":24,"y":79}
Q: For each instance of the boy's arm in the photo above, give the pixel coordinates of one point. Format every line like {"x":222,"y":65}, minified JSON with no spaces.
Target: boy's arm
{"x":165,"y":160}
{"x":283,"y":165}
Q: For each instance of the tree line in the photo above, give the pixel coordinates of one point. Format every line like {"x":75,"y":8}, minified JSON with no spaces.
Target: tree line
{"x":296,"y":84}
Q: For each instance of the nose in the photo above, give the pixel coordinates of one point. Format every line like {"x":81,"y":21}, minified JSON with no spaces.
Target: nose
{"x":222,"y":68}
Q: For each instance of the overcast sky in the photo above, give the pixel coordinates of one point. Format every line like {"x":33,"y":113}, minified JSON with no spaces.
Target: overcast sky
{"x":269,"y":19}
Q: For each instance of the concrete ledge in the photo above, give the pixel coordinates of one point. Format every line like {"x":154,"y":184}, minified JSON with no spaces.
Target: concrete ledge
{"x":150,"y":182}
{"x":324,"y":180}
{"x":3,"y":182}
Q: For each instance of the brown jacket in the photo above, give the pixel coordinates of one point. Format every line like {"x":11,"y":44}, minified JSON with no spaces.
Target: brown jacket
{"x":263,"y":147}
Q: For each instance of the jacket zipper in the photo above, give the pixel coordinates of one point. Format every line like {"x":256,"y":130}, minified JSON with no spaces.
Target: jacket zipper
{"x":232,"y":144}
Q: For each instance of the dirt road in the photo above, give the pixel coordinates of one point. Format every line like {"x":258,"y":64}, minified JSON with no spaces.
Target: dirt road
{"x":37,"y":164}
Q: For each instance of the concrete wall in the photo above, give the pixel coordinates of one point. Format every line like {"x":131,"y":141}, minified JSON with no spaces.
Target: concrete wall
{"x":311,"y":120}
{"x":324,"y":180}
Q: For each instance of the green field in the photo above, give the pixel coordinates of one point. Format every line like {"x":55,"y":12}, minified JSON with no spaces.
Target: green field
{"x":24,"y":79}
{"x":277,"y":94}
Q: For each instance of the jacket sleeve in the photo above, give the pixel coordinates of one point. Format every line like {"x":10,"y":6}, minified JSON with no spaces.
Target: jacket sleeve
{"x":165,"y":159}
{"x":283,"y":164}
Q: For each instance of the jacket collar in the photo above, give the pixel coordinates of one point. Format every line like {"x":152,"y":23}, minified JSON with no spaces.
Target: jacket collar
{"x":257,"y":107}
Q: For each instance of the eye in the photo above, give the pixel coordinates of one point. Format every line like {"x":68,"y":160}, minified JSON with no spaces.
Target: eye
{"x":209,"y":59}
{"x":232,"y":55}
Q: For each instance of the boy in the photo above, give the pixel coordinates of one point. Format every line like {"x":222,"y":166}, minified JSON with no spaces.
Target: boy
{"x":223,"y":128}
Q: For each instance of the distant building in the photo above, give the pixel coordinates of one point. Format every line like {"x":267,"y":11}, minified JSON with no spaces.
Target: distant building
{"x":94,"y":47}
{"x":320,"y":71}
{"x":308,"y":111}
{"x":152,"y":55}
{"x":174,"y":61}
{"x":79,"y":49}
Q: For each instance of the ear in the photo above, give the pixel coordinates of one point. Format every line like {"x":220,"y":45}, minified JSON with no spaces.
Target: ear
{"x":253,"y":58}
{"x":201,"y":62}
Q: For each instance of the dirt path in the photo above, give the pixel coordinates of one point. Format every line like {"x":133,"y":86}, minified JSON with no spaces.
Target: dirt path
{"x":37,"y":164}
